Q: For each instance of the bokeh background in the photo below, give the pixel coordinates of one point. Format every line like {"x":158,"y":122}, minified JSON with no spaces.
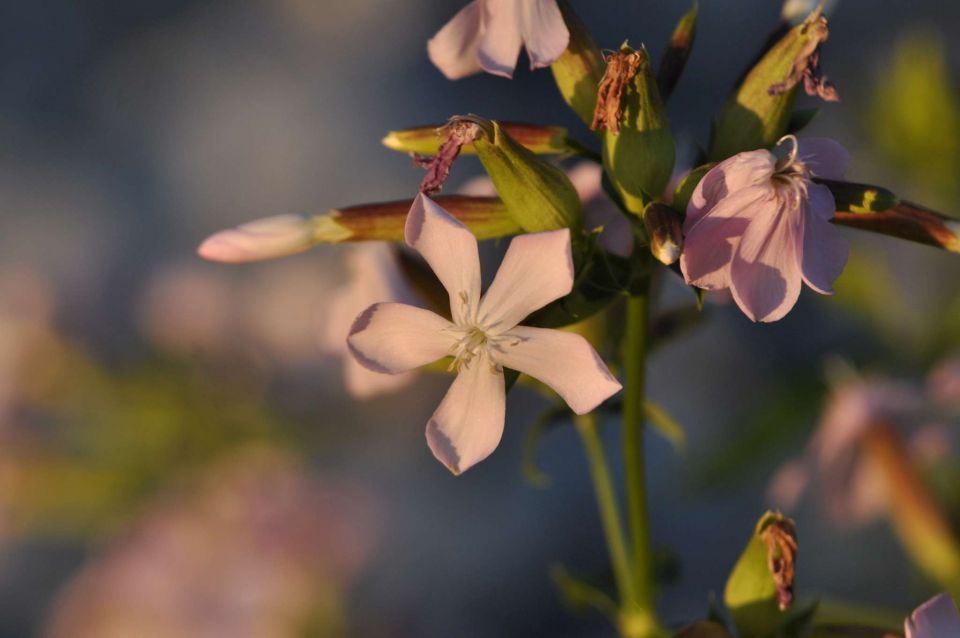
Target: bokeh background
{"x":178,"y":457}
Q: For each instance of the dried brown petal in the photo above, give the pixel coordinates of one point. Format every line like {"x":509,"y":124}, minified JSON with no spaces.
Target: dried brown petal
{"x":806,"y":66}
{"x":459,"y":131}
{"x":781,"y":539}
{"x":622,"y":67}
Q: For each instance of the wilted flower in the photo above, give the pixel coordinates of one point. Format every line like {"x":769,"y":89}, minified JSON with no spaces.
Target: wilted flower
{"x":758,"y":225}
{"x":486,"y":35}
{"x":936,"y":618}
{"x":483,"y":336}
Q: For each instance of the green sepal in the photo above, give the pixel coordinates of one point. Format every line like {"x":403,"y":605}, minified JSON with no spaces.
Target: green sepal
{"x":684,"y":190}
{"x":542,"y":140}
{"x":577,"y":72}
{"x":801,"y":119}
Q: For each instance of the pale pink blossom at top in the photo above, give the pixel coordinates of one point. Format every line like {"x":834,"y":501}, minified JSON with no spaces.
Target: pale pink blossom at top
{"x":487,"y":35}
{"x":758,"y":225}
{"x":936,"y":618}
{"x":483,"y":336}
{"x":375,"y":276}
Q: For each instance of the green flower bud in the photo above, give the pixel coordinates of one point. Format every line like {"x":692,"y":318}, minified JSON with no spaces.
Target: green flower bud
{"x":638,"y":151}
{"x":426,"y":140}
{"x":579,"y":69}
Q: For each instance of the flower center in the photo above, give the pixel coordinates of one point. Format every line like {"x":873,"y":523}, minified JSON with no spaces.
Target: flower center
{"x":476,"y":342}
{"x":791,"y":172}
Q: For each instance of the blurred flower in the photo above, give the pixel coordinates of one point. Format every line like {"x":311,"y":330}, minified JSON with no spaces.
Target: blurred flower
{"x":487,"y":35}
{"x":375,"y":277}
{"x":483,"y":336}
{"x":261,"y":239}
{"x":260,"y":548}
{"x":936,"y":618}
{"x":759,"y":226}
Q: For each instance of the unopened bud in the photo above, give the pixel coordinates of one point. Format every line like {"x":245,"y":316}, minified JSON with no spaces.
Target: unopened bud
{"x":579,"y":69}
{"x":780,"y":535}
{"x":907,"y":221}
{"x":266,"y":238}
{"x":427,"y":140}
{"x":665,"y":232}
{"x":675,"y":58}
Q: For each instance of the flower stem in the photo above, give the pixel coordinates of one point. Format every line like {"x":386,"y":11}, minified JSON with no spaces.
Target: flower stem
{"x":633,"y":452}
{"x":588,"y":427}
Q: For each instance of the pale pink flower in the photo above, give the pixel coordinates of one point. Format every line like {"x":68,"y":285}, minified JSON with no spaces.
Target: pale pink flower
{"x":375,"y":276}
{"x":260,"y":239}
{"x":483,"y":336}
{"x":758,"y":225}
{"x":936,"y":618}
{"x":487,"y":35}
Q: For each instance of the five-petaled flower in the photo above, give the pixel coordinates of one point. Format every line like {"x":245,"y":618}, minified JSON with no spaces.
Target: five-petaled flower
{"x":936,"y":618}
{"x":758,"y":225}
{"x":486,"y":35}
{"x":483,"y":336}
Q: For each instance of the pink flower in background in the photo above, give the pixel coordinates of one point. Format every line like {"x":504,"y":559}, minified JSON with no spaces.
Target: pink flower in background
{"x":936,"y":618}
{"x":266,"y":238}
{"x":759,"y":226}
{"x":487,"y":35}
{"x":483,"y":336}
{"x":375,"y":277}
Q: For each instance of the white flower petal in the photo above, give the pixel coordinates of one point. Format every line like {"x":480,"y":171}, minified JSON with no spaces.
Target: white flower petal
{"x":743,"y":170}
{"x":537,"y":269}
{"x":545,"y":34}
{"x":501,"y":42}
{"x":468,"y":424}
{"x":936,"y":618}
{"x":823,"y":156}
{"x":450,"y":249}
{"x":363,"y":383}
{"x":454,"y":48}
{"x":265,"y":238}
{"x":564,"y":361}
{"x":394,"y":337}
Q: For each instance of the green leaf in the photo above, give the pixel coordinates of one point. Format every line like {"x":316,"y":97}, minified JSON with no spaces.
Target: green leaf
{"x":666,"y":425}
{"x":580,"y":596}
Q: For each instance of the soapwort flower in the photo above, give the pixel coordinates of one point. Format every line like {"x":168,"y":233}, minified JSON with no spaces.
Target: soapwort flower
{"x":486,"y":35}
{"x":758,"y":225}
{"x":936,"y":618}
{"x":482,"y":336}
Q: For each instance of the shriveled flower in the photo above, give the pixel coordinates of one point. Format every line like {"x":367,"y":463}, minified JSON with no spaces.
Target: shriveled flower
{"x":758,"y":225}
{"x":483,"y":336}
{"x":936,"y":618}
{"x":486,"y":35}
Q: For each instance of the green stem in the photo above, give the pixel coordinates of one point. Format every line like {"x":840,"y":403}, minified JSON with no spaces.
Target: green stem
{"x":588,"y":427}
{"x":633,"y":453}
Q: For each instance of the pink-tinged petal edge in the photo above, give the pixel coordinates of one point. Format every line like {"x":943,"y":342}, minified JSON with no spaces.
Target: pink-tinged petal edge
{"x":455,"y":48}
{"x":765,"y":276}
{"x":537,"y":269}
{"x":936,"y":618}
{"x":266,"y":238}
{"x":394,"y":337}
{"x":502,"y":40}
{"x":545,"y":35}
{"x":823,"y":157}
{"x":825,"y":253}
{"x":564,"y":361}
{"x":467,"y":426}
{"x":710,"y":245}
{"x":450,"y":249}
{"x":733,"y":174}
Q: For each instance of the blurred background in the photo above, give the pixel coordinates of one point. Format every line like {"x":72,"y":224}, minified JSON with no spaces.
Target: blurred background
{"x":178,"y":454}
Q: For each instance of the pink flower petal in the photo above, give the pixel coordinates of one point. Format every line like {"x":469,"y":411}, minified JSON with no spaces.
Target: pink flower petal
{"x":936,"y":618}
{"x":261,"y":239}
{"x":537,"y":269}
{"x":544,"y":33}
{"x":765,"y":275}
{"x":564,"y":361}
{"x":820,"y":201}
{"x":733,"y":174}
{"x":450,"y":249}
{"x":394,"y":337}
{"x":825,"y":253}
{"x":455,"y":47}
{"x":363,"y":383}
{"x":711,"y":243}
{"x":468,"y":424}
{"x":502,"y":40}
{"x":824,"y":157}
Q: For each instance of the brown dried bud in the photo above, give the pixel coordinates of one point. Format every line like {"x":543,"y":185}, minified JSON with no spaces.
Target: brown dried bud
{"x":622,"y":66}
{"x":806,"y":66}
{"x":459,"y":131}
{"x":780,"y":535}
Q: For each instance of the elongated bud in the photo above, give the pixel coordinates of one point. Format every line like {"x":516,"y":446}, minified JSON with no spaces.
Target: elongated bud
{"x":579,"y":69}
{"x":760,"y":587}
{"x":675,"y":58}
{"x":638,"y":151}
{"x":860,"y":198}
{"x":907,"y":221}
{"x":426,"y":140}
{"x":538,"y":195}
{"x":266,"y":238}
{"x":664,"y":229}
{"x":757,"y":114}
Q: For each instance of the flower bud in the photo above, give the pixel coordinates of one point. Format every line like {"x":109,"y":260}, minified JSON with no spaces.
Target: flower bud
{"x":426,"y":140}
{"x":675,"y":58}
{"x":906,"y":221}
{"x":664,"y":229}
{"x":266,"y":238}
{"x":638,"y":151}
{"x":758,"y":113}
{"x":579,"y":69}
{"x":538,"y":195}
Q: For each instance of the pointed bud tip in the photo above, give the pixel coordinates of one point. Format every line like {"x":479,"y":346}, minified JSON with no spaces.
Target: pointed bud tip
{"x":266,"y":238}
